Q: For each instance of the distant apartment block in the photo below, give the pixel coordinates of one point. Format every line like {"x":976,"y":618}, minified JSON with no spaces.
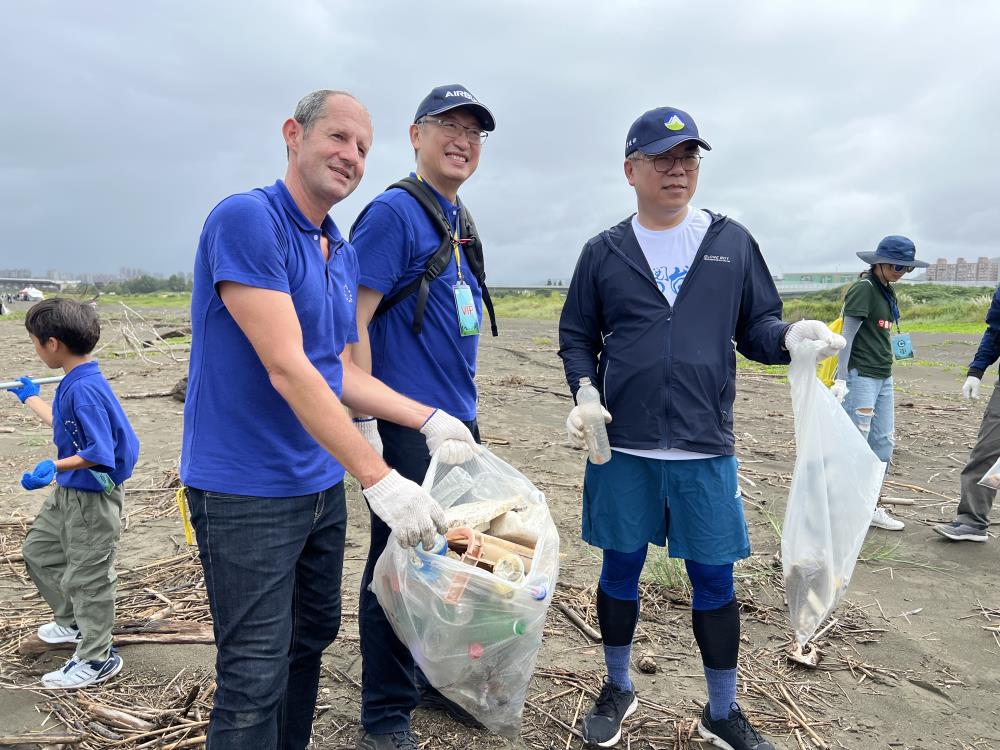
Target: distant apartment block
{"x":983,"y":269}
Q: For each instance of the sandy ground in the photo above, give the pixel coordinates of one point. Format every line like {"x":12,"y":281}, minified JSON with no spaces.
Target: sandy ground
{"x":909,"y":665}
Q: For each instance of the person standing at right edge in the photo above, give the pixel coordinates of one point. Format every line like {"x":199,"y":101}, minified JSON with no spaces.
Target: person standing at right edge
{"x":656,"y":310}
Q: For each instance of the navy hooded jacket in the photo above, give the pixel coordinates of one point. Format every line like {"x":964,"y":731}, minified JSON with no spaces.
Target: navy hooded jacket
{"x":667,"y":373}
{"x":989,"y":345}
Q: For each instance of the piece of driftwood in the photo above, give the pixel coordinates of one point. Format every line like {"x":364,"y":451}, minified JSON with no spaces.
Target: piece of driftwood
{"x":166,"y":632}
{"x":16,"y":740}
{"x":477,"y":515}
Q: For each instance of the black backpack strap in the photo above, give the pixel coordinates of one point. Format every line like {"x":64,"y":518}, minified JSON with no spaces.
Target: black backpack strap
{"x":442,"y":256}
{"x":474,"y":258}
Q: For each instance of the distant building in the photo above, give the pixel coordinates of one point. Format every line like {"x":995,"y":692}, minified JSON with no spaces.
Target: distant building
{"x":961,"y":271}
{"x":817,"y":277}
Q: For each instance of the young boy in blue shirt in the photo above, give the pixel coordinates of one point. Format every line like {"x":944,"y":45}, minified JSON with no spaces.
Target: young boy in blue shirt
{"x":70,"y":549}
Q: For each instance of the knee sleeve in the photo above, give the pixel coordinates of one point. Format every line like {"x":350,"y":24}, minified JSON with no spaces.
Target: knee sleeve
{"x":711,"y":585}
{"x":618,"y":595}
{"x":620,"y":573}
{"x":717,"y":632}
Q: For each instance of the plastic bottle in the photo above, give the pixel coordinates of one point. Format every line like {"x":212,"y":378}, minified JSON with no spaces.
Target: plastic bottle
{"x":595,"y":432}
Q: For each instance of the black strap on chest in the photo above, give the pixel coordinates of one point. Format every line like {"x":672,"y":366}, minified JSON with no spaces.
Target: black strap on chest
{"x":471,"y":244}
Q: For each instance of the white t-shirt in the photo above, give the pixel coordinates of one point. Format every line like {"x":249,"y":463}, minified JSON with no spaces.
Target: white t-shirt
{"x":670,"y":253}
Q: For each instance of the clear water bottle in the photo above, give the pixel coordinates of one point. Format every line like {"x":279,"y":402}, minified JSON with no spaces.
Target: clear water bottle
{"x":595,"y":432}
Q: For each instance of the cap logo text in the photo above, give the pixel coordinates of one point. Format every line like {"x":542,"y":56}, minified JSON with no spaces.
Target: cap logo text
{"x":464,"y":95}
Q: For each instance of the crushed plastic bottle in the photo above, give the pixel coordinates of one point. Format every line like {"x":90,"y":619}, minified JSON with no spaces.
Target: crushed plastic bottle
{"x":595,"y":431}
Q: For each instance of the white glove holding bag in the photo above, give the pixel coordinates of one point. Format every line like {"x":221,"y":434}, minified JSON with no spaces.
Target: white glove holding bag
{"x":971,"y":388}
{"x":369,"y":431}
{"x":442,"y":431}
{"x":412,"y":514}
{"x":574,"y":426}
{"x":839,"y":390}
{"x":815,"y":330}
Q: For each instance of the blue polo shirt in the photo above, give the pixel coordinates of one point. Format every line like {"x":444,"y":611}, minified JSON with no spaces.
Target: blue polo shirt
{"x":240,"y":435}
{"x":394,"y":239}
{"x":88,"y":421}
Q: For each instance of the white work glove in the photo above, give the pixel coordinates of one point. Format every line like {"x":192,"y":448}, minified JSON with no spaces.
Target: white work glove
{"x":412,"y":514}
{"x":369,"y":431}
{"x":971,"y":388}
{"x":574,"y":425}
{"x":839,"y":390}
{"x":445,"y":433}
{"x":815,"y":330}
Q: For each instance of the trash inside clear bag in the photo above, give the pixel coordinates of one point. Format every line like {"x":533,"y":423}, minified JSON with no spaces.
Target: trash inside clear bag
{"x":474,"y":624}
{"x":991,"y":478}
{"x":833,"y":493}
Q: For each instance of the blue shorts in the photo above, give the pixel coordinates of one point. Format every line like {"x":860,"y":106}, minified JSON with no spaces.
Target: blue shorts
{"x":695,"y":505}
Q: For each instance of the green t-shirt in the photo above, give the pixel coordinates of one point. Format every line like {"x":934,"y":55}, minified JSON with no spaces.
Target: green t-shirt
{"x":871,"y":353}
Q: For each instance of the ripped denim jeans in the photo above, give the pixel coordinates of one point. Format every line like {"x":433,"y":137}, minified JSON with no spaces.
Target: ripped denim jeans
{"x":869,"y":404}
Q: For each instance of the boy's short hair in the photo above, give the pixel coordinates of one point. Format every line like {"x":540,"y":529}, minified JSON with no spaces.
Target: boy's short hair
{"x":71,"y":322}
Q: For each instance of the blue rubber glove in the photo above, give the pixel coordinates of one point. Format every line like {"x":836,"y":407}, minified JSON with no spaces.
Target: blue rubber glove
{"x":28,"y":389}
{"x":41,"y":476}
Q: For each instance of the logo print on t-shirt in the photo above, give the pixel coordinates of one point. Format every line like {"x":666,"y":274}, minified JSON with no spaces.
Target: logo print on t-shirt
{"x":674,"y":279}
{"x":348,"y":294}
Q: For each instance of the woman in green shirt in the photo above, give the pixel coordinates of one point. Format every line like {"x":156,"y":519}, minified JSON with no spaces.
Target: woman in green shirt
{"x":864,"y":366}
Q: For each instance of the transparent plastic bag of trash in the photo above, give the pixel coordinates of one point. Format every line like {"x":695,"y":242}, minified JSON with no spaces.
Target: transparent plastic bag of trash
{"x":472,"y":615}
{"x":833,"y":493}
{"x":991,"y":478}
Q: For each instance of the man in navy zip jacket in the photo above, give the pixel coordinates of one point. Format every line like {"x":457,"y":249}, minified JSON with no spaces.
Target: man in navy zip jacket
{"x":656,"y":311}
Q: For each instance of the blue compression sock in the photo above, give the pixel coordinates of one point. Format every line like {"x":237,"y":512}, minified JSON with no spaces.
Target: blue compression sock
{"x":617,"y":659}
{"x":721,"y":691}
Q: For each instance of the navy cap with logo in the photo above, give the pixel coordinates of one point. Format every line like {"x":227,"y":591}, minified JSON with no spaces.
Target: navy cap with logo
{"x":894,"y":249}
{"x":444,"y":98}
{"x":660,"y":129}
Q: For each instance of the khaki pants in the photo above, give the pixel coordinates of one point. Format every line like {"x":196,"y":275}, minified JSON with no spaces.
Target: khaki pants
{"x":70,"y":554}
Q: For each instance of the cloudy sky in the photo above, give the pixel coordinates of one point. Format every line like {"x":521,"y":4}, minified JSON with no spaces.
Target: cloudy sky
{"x":832,"y":123}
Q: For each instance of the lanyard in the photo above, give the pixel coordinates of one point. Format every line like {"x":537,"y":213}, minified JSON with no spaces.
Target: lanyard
{"x":456,"y":242}
{"x":891,"y":299}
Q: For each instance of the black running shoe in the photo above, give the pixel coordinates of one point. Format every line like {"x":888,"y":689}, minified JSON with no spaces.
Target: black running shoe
{"x":432,"y":700}
{"x":732,"y":733}
{"x":602,"y":726}
{"x":394,"y":741}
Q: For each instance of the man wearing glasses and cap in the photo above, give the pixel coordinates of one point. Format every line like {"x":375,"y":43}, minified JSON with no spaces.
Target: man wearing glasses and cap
{"x":657,"y":308}
{"x":418,"y":332}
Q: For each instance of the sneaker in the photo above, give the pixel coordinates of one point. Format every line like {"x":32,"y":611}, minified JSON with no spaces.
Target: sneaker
{"x":78,"y":674}
{"x":432,"y":700}
{"x":394,"y":741}
{"x":881,"y":519}
{"x":961,"y":532}
{"x":732,"y":733}
{"x":602,"y":726}
{"x":53,"y":632}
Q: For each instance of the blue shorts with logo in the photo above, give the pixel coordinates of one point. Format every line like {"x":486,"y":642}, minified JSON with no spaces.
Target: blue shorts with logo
{"x":694,"y":507}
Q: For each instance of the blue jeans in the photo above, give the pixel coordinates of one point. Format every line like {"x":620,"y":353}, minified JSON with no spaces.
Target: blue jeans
{"x":273,"y":570}
{"x":390,"y":681}
{"x":869,"y":404}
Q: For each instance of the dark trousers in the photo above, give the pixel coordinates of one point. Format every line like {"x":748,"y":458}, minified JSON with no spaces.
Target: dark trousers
{"x":977,"y":501}
{"x":273,"y":569}
{"x":390,"y":681}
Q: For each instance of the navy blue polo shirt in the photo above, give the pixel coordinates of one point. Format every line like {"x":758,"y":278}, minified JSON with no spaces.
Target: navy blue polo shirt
{"x":240,"y":435}
{"x":394,"y":239}
{"x":88,"y":421}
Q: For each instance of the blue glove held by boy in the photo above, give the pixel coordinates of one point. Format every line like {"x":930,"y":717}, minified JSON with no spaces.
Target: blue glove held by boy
{"x":41,"y":476}
{"x":27,"y":389}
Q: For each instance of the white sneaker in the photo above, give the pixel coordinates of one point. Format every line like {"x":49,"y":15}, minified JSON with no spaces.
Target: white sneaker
{"x":78,"y":674}
{"x":883,"y":520}
{"x":53,"y":632}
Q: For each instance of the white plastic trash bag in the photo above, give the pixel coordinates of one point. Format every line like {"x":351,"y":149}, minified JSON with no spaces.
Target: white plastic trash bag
{"x":833,"y":494}
{"x":472,"y":610}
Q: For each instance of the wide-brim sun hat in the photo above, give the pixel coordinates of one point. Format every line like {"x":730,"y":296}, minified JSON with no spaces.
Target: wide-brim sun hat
{"x":896,"y":250}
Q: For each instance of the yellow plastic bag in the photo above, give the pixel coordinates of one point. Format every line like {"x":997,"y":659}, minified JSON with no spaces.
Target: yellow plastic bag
{"x":826,"y":370}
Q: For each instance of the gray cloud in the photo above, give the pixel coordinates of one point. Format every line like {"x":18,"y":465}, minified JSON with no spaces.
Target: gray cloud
{"x":832,"y":124}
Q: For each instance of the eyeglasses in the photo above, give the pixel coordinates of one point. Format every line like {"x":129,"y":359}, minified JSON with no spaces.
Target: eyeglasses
{"x":453,"y":130}
{"x":901,"y":269}
{"x":689,"y":162}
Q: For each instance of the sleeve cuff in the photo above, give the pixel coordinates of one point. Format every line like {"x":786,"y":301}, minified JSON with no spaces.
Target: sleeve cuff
{"x":973,"y":372}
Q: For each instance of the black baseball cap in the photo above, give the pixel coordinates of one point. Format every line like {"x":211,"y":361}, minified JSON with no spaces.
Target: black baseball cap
{"x":444,"y":98}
